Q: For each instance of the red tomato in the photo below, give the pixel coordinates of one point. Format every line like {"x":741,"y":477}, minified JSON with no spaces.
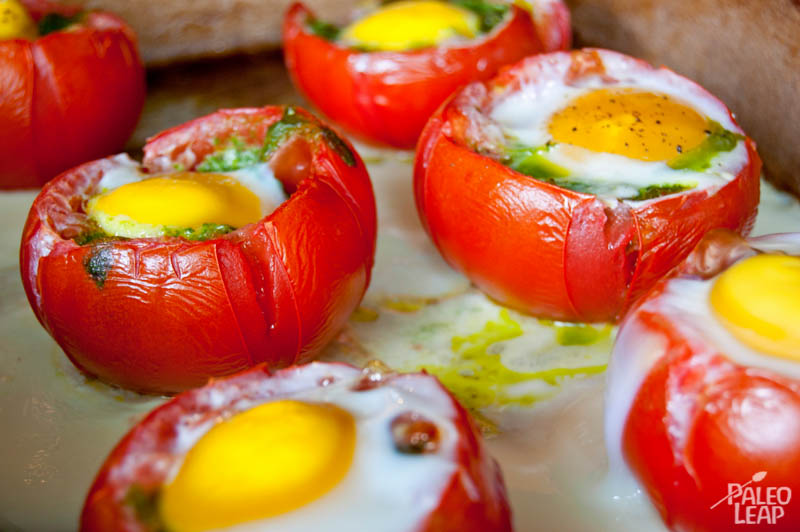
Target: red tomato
{"x":68,"y":97}
{"x":165,"y":314}
{"x":694,"y":421}
{"x":543,"y":249}
{"x":473,"y":501}
{"x":386,"y":97}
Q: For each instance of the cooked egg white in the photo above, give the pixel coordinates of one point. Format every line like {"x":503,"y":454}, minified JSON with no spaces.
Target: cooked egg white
{"x":313,"y":455}
{"x":618,"y":136}
{"x":748,"y":313}
{"x":133,"y":204}
{"x":411,"y":24}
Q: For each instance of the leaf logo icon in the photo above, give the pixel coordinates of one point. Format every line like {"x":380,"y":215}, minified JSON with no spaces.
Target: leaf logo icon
{"x":758,"y":477}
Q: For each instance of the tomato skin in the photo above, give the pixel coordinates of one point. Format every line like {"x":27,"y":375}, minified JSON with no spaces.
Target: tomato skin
{"x":474,"y":500}
{"x":89,"y":91}
{"x":546,"y":250}
{"x":699,"y":421}
{"x":164,"y":315}
{"x":386,"y":97}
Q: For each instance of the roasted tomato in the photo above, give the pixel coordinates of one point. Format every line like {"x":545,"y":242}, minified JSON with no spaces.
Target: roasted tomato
{"x":71,"y":89}
{"x":311,"y":446}
{"x":157,"y":277}
{"x":570,"y":183}
{"x":703,"y":399}
{"x":387,"y":72}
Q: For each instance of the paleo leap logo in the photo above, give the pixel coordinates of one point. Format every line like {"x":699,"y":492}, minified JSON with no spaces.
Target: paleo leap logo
{"x":754,"y":505}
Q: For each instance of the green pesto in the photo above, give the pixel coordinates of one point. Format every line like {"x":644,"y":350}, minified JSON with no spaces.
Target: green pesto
{"x":204,"y":232}
{"x":237,"y":154}
{"x":656,"y":191}
{"x":98,"y":263}
{"x":329,"y":32}
{"x":532,"y":162}
{"x":92,"y":234}
{"x":478,"y":377}
{"x":145,"y":506}
{"x":581,"y":333}
{"x":719,"y":140}
{"x":53,"y":22}
{"x":489,"y":13}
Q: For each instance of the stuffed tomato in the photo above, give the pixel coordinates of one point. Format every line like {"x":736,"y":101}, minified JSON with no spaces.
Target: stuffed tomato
{"x":245,"y":236}
{"x":72,"y":87}
{"x":570,"y":183}
{"x":703,"y":400}
{"x":386,"y":72}
{"x":310,"y":446}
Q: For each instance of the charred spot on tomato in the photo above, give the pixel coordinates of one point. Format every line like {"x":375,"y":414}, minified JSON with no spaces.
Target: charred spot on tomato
{"x":98,"y":263}
{"x":53,"y":22}
{"x":414,"y":434}
{"x":144,"y":504}
{"x":204,"y":232}
{"x":339,"y":146}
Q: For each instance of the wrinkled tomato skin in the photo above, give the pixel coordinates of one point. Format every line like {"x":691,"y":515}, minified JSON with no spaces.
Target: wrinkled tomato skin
{"x":549,"y":251}
{"x":741,"y":421}
{"x":164,"y":315}
{"x":68,"y":97}
{"x":475,"y":499}
{"x":386,"y":97}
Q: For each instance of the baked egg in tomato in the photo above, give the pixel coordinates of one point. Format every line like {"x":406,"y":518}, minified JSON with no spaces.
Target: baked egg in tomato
{"x":571,"y":182}
{"x":386,"y":70}
{"x":198,"y":205}
{"x":316,"y":445}
{"x":703,"y":400}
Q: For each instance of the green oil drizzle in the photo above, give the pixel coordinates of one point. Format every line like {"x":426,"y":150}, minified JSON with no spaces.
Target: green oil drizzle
{"x":478,"y":377}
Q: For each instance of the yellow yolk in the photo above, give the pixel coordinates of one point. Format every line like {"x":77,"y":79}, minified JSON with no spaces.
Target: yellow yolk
{"x":264,"y":462}
{"x":15,"y":22}
{"x":758,"y":301}
{"x":639,"y":125}
{"x":407,"y":25}
{"x":184,"y":200}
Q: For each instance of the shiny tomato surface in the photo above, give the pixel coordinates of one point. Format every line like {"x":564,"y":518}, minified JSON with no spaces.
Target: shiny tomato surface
{"x":67,"y":97}
{"x":695,"y":422}
{"x":165,"y":314}
{"x":474,"y":499}
{"x":547,"y":250}
{"x":386,"y":97}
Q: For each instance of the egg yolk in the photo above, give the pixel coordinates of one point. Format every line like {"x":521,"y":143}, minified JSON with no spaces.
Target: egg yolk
{"x":15,"y":22}
{"x":184,"y":200}
{"x":407,"y":25}
{"x":266,"y":461}
{"x":758,"y":301}
{"x":638,"y":125}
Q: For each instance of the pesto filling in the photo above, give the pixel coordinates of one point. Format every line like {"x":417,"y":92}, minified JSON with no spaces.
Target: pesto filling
{"x":235,"y":155}
{"x":53,"y":22}
{"x":533,"y":162}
